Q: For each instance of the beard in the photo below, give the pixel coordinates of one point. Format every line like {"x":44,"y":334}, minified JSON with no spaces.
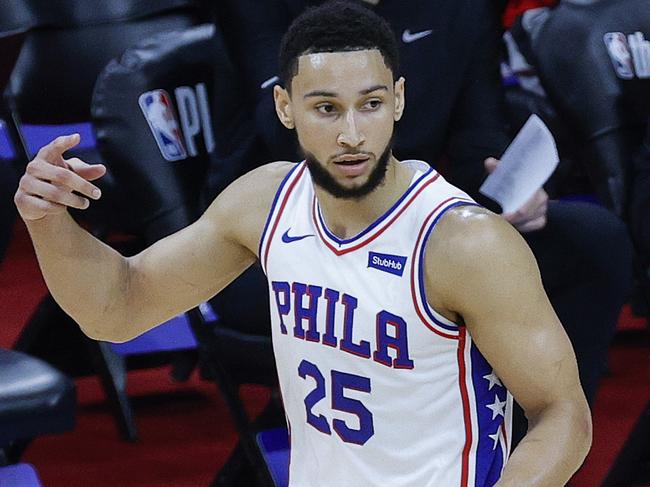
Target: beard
{"x":323,"y":179}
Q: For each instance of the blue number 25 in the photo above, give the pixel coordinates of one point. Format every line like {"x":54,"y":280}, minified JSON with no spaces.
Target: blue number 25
{"x":340,"y":382}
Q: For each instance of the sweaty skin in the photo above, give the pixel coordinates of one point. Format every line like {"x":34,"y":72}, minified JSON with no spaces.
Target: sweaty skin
{"x":477,"y":266}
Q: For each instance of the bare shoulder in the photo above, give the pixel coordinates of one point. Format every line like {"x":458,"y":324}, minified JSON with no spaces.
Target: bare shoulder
{"x":254,"y":190}
{"x":471,"y":251}
{"x":244,"y":205}
{"x":472,"y":234}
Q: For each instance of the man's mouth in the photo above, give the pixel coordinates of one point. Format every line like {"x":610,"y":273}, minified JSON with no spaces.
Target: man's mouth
{"x":351,"y":159}
{"x":352,"y":165}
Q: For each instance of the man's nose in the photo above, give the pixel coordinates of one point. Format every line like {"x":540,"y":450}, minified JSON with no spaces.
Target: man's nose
{"x":351,"y":135}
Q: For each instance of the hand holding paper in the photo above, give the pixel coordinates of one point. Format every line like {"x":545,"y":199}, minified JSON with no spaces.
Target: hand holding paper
{"x":532,"y":215}
{"x":525,"y":166}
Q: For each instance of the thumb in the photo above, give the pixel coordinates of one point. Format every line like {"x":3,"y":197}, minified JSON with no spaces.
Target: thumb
{"x":491,"y":164}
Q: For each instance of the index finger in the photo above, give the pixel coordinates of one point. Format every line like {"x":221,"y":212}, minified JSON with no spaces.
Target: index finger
{"x":53,"y":152}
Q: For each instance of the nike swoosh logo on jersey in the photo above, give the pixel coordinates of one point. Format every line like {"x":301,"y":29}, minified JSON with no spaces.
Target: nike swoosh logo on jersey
{"x":286,"y":238}
{"x":407,"y":37}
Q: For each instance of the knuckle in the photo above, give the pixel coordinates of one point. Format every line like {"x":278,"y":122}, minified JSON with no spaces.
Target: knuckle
{"x":52,"y":193}
{"x":43,"y":151}
{"x":55,"y":173}
{"x":59,"y":141}
{"x":28,"y":184}
{"x":19,"y":197}
{"x":23,"y":187}
{"x":24,"y":180}
{"x":32,"y":167}
{"x":66,"y":177}
{"x":46,"y":192}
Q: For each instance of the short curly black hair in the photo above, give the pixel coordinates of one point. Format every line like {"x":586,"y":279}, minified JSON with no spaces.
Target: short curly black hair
{"x":336,"y":26}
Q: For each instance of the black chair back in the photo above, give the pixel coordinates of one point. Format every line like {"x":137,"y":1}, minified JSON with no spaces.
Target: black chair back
{"x":593,"y":60}
{"x":153,"y":112}
{"x":67,"y":44}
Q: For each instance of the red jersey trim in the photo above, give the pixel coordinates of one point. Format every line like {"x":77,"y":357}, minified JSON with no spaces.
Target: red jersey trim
{"x":467,"y":414}
{"x":422,"y":308}
{"x":274,"y":220}
{"x":389,"y":219}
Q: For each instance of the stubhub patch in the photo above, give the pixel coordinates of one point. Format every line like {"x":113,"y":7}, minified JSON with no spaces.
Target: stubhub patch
{"x":393,"y":264}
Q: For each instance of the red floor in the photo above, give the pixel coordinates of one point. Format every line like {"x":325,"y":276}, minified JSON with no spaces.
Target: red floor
{"x":185,"y":433}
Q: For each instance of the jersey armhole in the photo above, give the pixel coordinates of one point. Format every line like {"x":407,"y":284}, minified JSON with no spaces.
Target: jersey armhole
{"x":275,"y":212}
{"x":431,"y":318}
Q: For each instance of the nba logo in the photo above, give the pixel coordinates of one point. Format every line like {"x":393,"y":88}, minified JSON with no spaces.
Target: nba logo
{"x":619,"y":53}
{"x":159,"y":112}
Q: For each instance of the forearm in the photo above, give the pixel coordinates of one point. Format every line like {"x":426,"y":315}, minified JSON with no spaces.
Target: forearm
{"x":86,"y":277}
{"x":555,"y":446}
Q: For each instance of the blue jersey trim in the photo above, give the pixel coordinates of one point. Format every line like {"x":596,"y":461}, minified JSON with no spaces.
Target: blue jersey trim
{"x":376,"y":222}
{"x":425,"y":304}
{"x":489,"y":456}
{"x":272,"y":210}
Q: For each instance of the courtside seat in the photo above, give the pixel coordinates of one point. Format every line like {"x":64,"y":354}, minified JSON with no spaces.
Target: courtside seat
{"x":35,"y":400}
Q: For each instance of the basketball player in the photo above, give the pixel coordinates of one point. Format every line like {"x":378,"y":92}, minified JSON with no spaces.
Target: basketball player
{"x":385,"y":283}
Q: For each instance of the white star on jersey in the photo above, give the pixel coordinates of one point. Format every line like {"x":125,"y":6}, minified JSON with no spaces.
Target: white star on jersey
{"x":496,"y":407}
{"x":493,"y":379}
{"x":495,"y":438}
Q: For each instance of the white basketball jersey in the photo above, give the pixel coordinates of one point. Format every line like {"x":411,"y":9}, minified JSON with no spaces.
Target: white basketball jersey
{"x":379,"y":389}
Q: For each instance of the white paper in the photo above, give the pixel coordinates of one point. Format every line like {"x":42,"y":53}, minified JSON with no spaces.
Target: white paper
{"x":525,"y":166}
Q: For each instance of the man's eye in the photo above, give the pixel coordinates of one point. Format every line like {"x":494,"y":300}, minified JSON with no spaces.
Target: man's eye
{"x":325,"y":109}
{"x":372,"y":104}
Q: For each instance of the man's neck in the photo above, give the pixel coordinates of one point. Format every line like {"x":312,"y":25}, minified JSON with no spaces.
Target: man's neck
{"x":349,"y":217}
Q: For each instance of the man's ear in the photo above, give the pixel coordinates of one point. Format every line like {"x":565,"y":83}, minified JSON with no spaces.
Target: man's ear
{"x":400,"y":101}
{"x":283,"y":106}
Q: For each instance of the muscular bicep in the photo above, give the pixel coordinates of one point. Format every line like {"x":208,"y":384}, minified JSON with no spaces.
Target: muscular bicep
{"x":493,"y":283}
{"x":516,"y":329}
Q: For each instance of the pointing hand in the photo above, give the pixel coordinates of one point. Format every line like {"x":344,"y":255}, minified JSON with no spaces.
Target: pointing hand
{"x":51,"y":183}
